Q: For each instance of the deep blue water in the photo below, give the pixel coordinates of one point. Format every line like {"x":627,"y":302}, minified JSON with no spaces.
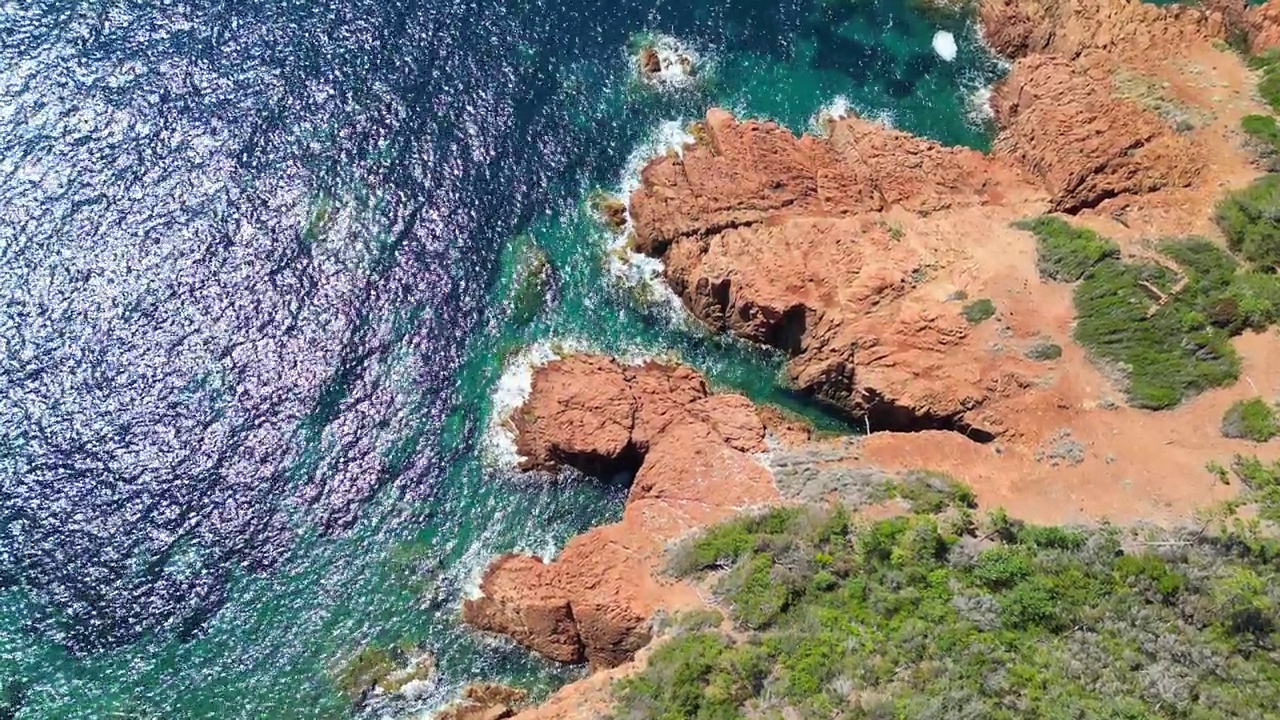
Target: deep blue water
{"x":252,"y":267}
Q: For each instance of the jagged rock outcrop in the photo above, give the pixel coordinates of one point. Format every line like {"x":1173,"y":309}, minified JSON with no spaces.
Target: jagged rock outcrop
{"x":1085,"y":145}
{"x":1263,"y":23}
{"x":742,"y":174}
{"x":1123,"y":28}
{"x":593,"y":603}
{"x":778,"y":240}
{"x":783,"y":240}
{"x":597,"y":415}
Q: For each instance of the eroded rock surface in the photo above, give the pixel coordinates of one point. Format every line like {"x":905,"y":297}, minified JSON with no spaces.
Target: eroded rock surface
{"x":742,"y":174}
{"x":593,"y":603}
{"x":1125,"y":28}
{"x":1085,"y":145}
{"x":1264,"y":26}
{"x":793,"y":242}
{"x":485,"y":701}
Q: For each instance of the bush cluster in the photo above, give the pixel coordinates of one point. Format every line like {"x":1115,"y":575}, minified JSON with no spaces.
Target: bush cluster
{"x":904,"y":619}
{"x":978,"y":310}
{"x":1250,"y":220}
{"x":1166,"y":352}
{"x":1253,"y":419}
{"x":1268,"y":65}
{"x":1265,"y":139}
{"x":1063,"y":252}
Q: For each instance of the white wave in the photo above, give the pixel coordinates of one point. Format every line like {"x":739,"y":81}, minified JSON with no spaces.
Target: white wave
{"x":681,"y":64}
{"x":636,"y":271}
{"x":977,"y":106}
{"x":510,"y":392}
{"x":668,"y":136}
{"x":944,"y":43}
{"x":838,"y":108}
{"x":975,"y":29}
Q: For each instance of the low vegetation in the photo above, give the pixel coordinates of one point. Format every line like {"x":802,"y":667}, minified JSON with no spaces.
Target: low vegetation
{"x":1044,"y":352}
{"x":926,"y":616}
{"x":1264,"y":136}
{"x":1253,"y":419}
{"x":1250,"y":220}
{"x":1165,"y":327}
{"x":978,"y":310}
{"x":1268,"y":66}
{"x":1064,"y":253}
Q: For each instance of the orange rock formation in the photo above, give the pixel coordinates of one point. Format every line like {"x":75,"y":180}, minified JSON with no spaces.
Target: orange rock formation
{"x":851,"y":253}
{"x":595,"y":600}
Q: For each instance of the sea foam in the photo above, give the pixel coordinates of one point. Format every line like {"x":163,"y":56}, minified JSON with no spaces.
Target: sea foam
{"x":944,"y":43}
{"x":682,"y":64}
{"x":511,"y":391}
{"x":636,"y":271}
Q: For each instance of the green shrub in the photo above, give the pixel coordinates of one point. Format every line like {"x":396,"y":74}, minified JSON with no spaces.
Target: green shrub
{"x":1057,"y":538}
{"x":930,"y":491}
{"x":1002,"y":567}
{"x":755,"y":597}
{"x":1166,"y":352}
{"x":701,"y":619}
{"x":1261,"y":127}
{"x":1153,"y":572}
{"x":1166,"y":357}
{"x":1046,"y":623}
{"x":1250,"y":220}
{"x":1031,"y":604}
{"x":1252,"y":301}
{"x":1262,"y":481}
{"x":1252,"y":419}
{"x":729,"y":541}
{"x":1268,"y":64}
{"x":978,"y":310}
{"x":1264,"y":135}
{"x":1065,"y":253}
{"x":1043,"y":352}
{"x":672,"y":684}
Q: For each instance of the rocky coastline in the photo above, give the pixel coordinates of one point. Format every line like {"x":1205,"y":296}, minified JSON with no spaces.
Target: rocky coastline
{"x":888,"y":269}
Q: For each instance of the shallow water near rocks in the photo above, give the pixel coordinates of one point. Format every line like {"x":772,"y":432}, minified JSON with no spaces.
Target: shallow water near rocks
{"x":264,"y":264}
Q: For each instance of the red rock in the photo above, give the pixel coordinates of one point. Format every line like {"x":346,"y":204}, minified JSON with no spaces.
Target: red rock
{"x":1084,"y":145}
{"x":519,"y":597}
{"x":663,"y":394}
{"x":594,"y":412}
{"x":1121,"y":28}
{"x":1263,"y":26}
{"x":735,"y":419}
{"x":744,"y":173}
{"x":650,"y":63}
{"x":594,"y":602}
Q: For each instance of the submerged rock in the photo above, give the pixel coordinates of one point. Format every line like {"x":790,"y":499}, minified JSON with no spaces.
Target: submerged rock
{"x":485,"y":701}
{"x":531,"y":281}
{"x":611,"y":211}
{"x":385,"y":670}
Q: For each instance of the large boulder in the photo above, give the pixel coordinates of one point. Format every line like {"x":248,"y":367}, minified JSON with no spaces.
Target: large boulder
{"x":1085,"y":145}
{"x":594,"y":602}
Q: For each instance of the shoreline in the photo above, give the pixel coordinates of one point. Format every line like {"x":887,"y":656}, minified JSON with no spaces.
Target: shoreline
{"x":1168,"y":191}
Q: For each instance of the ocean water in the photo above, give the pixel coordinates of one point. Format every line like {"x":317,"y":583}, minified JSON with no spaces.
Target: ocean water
{"x":271,"y":271}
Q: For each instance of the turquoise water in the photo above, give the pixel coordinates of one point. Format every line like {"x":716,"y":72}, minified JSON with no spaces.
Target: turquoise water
{"x":264,"y":266}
